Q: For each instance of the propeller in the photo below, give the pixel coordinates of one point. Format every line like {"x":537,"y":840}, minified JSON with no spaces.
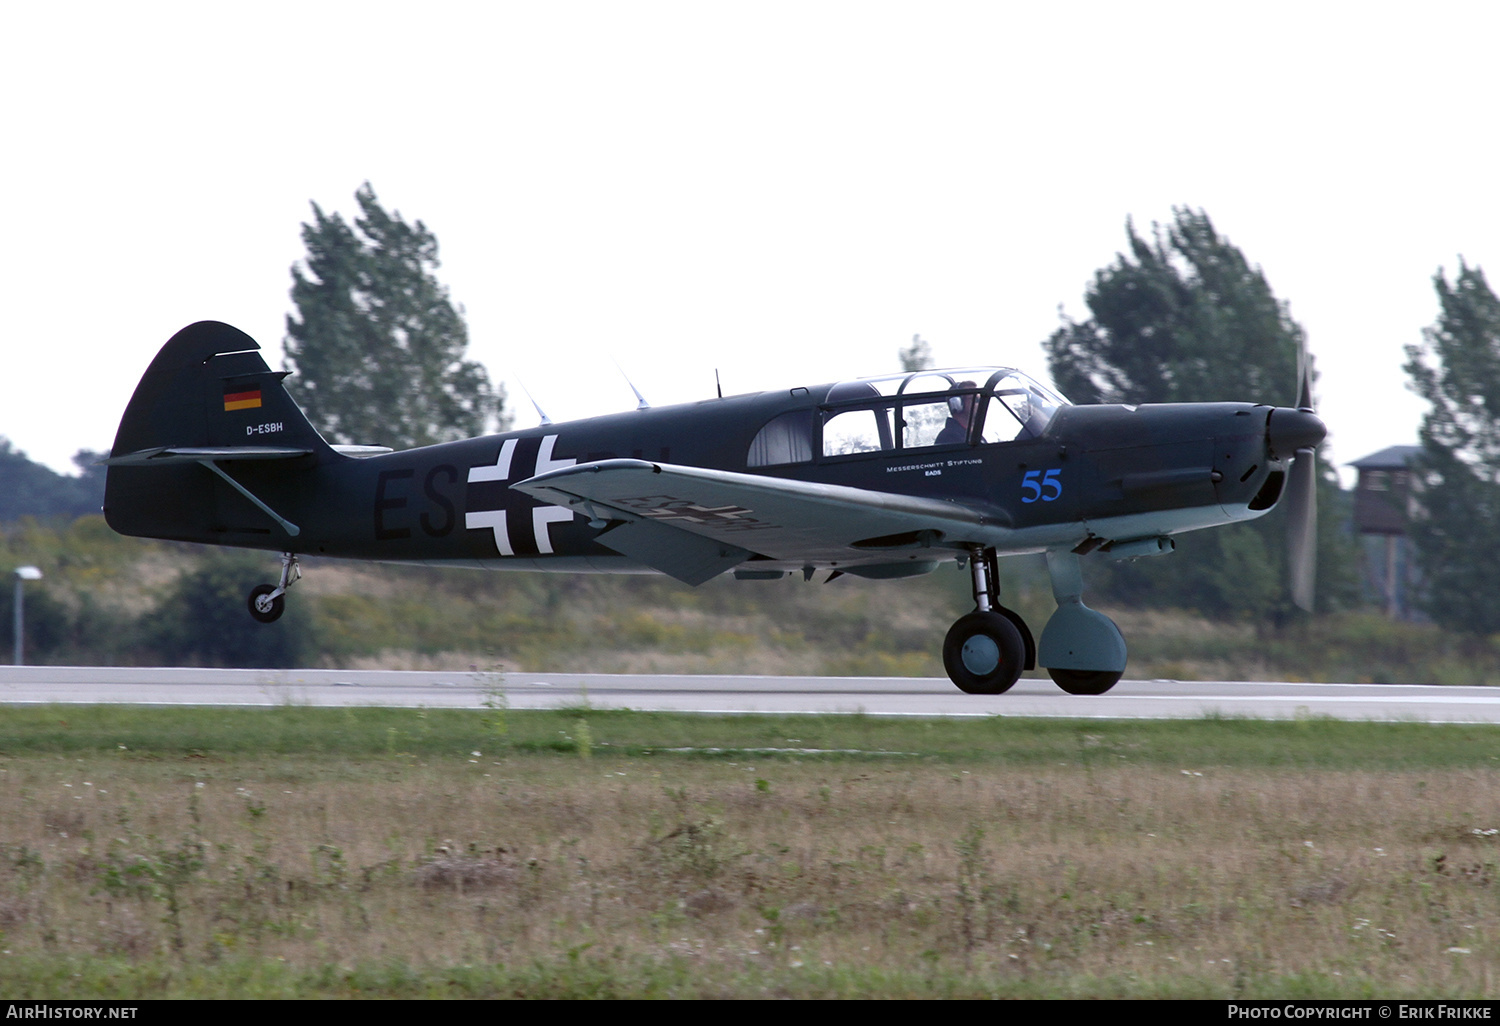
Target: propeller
{"x":1302,"y":527}
{"x":1297,"y":432}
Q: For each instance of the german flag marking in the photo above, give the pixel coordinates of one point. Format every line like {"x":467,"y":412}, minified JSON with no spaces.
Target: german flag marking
{"x":242,"y":400}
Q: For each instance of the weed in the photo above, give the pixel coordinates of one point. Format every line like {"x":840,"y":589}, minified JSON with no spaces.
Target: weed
{"x":161,"y":875}
{"x":972,"y":885}
{"x":330,"y":870}
{"x":497,"y":702}
{"x":698,"y":849}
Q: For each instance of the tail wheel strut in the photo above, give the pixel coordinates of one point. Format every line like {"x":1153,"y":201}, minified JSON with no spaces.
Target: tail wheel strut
{"x":267,"y":601}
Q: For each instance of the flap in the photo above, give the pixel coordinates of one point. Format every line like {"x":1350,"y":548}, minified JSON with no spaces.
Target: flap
{"x":690,"y":558}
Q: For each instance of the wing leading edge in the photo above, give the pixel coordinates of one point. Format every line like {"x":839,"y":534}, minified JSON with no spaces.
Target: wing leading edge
{"x":694,"y":523}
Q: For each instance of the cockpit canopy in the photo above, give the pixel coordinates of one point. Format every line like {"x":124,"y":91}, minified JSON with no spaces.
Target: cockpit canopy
{"x":921,"y":410}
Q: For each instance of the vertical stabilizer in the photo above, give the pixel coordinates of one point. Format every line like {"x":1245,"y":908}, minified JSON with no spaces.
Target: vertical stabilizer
{"x":208,"y":389}
{"x":209,"y":386}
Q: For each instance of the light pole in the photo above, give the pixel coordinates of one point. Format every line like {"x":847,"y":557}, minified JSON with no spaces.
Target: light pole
{"x":23,"y":574}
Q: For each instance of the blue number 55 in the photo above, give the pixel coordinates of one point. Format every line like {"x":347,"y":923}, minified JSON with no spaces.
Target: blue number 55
{"x":1037,"y":485}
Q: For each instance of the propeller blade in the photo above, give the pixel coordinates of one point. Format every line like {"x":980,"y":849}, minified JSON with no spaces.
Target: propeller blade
{"x":1302,"y":527}
{"x":1304,"y":376}
{"x":1302,"y":432}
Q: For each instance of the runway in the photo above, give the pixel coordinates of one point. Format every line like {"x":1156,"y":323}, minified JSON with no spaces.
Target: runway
{"x":876,"y":696}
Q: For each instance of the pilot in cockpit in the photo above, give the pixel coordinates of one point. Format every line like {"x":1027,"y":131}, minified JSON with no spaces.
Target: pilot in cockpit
{"x":961,"y":408}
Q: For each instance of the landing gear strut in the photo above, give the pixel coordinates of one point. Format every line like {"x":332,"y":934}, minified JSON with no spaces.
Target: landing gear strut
{"x":267,"y":601}
{"x":986,"y":650}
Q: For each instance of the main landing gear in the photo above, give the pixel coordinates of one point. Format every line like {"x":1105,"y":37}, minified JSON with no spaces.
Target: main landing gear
{"x":267,"y":601}
{"x":986,"y":650}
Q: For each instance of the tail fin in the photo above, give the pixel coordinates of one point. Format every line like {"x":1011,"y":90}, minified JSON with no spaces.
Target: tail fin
{"x":209,"y":386}
{"x":207,"y":398}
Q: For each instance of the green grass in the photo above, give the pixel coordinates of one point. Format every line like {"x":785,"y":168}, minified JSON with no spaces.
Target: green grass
{"x":134,"y":733}
{"x":592,"y":974}
{"x":300,"y":852}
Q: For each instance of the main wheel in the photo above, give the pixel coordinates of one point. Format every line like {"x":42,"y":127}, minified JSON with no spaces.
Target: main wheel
{"x":1085,"y":682}
{"x":263,"y":607}
{"x":983,"y":654}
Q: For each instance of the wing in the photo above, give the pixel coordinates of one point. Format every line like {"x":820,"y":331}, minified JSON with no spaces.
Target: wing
{"x":694,"y":523}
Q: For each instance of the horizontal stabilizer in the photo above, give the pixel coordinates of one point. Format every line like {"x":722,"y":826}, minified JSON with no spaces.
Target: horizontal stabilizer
{"x":361,"y":452}
{"x":197,"y":454}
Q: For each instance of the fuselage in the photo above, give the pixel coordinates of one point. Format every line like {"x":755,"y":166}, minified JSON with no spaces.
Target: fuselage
{"x":1043,"y":475}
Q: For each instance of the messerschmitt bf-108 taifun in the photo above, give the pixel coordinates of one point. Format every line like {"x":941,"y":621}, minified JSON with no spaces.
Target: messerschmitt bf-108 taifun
{"x":878,"y":477}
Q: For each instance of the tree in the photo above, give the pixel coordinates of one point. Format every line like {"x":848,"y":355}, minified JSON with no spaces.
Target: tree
{"x":917,"y":356}
{"x":376,"y":344}
{"x":1457,"y":371}
{"x":34,"y":490}
{"x":1184,"y":317}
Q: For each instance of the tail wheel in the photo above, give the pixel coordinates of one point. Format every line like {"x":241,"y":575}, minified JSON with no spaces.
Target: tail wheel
{"x":1085,"y":682}
{"x":265,"y":605}
{"x":984,"y":653}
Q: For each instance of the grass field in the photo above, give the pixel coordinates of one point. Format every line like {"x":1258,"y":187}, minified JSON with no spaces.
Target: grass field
{"x":421,"y":853}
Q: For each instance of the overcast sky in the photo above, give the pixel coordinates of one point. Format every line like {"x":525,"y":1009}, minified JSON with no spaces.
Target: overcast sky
{"x":786,"y":192}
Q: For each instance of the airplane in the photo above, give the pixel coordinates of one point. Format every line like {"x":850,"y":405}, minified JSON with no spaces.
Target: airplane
{"x":879,"y":477}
